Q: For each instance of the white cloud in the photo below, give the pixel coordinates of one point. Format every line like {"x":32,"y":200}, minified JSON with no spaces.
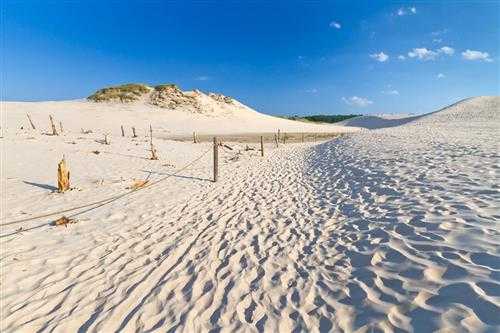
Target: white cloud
{"x":401,"y":57}
{"x":476,"y":55}
{"x":406,"y":11}
{"x":357,"y":101}
{"x":422,"y":54}
{"x":390,"y":92}
{"x":335,"y":25}
{"x":202,"y":78}
{"x":312,"y":91}
{"x":440,"y":76}
{"x":447,"y":50}
{"x":428,"y":54}
{"x":381,"y":57}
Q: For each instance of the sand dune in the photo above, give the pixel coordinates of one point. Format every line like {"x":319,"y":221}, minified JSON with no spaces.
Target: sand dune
{"x":470,"y":109}
{"x":213,"y":118}
{"x":390,"y":229}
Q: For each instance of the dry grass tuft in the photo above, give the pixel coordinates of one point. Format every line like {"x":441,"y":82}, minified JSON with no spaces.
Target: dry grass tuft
{"x":138,"y":184}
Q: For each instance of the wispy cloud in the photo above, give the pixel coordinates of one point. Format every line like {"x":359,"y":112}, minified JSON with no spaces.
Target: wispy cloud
{"x":202,"y":78}
{"x":439,"y":32}
{"x":335,"y":24}
{"x":312,"y":91}
{"x":440,"y":76}
{"x":357,"y":101}
{"x":406,"y":11}
{"x":381,"y":57}
{"x":401,"y":57}
{"x":390,"y":92}
{"x":476,"y":55}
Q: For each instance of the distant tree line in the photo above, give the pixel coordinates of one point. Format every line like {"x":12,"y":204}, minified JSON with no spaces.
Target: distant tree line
{"x":324,"y":118}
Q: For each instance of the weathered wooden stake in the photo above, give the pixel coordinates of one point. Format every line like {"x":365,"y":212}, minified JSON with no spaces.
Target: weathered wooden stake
{"x":278,"y":134}
{"x":62,"y":176}
{"x":154,"y":156}
{"x":302,"y":137}
{"x":133,"y":132}
{"x":284,"y":138}
{"x":314,"y":137}
{"x":216,"y":160}
{"x":61,"y":126}
{"x":123,"y":131}
{"x":31,"y":122}
{"x":106,"y":142}
{"x":195,"y":138}
{"x":261,"y":146}
{"x":276,"y":140}
{"x":54,"y":130}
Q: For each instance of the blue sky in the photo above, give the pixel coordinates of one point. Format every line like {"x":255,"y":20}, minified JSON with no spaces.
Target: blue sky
{"x":331,"y":57}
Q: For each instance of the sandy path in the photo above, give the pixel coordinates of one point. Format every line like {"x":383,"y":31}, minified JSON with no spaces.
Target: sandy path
{"x":285,"y":243}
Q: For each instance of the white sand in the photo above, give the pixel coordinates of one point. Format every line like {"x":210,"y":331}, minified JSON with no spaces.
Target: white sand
{"x":386,"y":229}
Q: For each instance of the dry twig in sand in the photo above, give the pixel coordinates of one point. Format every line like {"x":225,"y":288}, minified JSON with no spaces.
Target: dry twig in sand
{"x":31,"y":122}
{"x":63,"y":221}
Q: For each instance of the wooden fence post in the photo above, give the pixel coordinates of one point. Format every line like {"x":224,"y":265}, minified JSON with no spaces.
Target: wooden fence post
{"x":195,"y":138}
{"x":123,"y":131}
{"x":261,"y":146}
{"x":133,"y":132}
{"x":106,"y":142}
{"x":61,"y":126}
{"x":53,"y":126}
{"x":278,"y":134}
{"x":284,"y":138}
{"x":302,"y":137}
{"x":276,"y":140}
{"x":216,"y":160}
{"x":31,"y":122}
{"x":154,"y":156}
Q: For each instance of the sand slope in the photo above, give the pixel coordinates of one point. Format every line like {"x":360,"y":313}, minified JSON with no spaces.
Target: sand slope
{"x":215,"y":118}
{"x":390,"y":229}
{"x":471,"y":109}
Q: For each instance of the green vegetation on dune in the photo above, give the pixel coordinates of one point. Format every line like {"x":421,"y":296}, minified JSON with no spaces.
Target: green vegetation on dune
{"x":166,"y":86}
{"x":123,"y":93}
{"x":323,"y":118}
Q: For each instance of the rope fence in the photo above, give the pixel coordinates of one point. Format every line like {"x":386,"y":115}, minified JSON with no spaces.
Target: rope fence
{"x":226,"y":150}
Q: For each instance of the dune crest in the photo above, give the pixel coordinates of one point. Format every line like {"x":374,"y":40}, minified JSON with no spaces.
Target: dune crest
{"x":166,"y":96}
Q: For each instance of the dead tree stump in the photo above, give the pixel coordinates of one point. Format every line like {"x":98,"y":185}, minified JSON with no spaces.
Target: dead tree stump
{"x":53,"y":126}
{"x":62,"y":176}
